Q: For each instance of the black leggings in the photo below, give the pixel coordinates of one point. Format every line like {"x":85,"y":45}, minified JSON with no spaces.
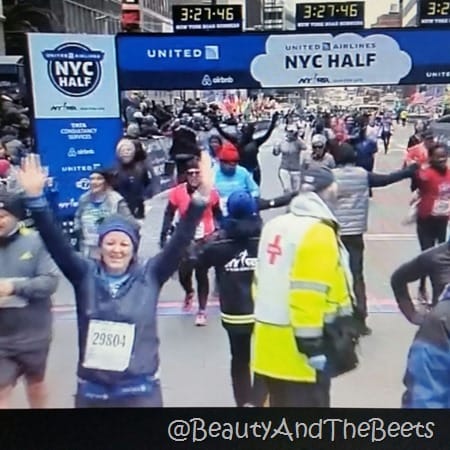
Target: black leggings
{"x":137,"y":207}
{"x":185,"y":272}
{"x":386,"y":141}
{"x":257,"y":175}
{"x":241,"y":377}
{"x":431,"y":231}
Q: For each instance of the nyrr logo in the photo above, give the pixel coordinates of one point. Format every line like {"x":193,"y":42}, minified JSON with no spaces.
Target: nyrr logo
{"x":74,"y":69}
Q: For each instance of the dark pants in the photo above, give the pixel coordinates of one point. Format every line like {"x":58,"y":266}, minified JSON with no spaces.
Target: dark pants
{"x":137,"y":206}
{"x":185,"y":272}
{"x":257,"y":175}
{"x":431,"y":231}
{"x":241,"y":377}
{"x":355,"y":247}
{"x":154,"y":400}
{"x":287,"y":394}
{"x":255,"y":172}
{"x":386,"y":141}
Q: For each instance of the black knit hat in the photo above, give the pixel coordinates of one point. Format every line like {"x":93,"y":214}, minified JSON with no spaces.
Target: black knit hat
{"x":12,"y":203}
{"x":345,"y":154}
{"x":105,"y":173}
{"x":317,"y":178}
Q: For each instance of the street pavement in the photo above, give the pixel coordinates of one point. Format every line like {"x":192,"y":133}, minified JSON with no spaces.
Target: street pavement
{"x":195,"y":361}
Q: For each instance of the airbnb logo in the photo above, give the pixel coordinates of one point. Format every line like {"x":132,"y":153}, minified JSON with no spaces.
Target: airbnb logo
{"x":274,"y":249}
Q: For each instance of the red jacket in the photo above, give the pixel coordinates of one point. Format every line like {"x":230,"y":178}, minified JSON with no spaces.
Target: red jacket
{"x":180,"y":199}
{"x":434,"y":192}
{"x":418,"y":154}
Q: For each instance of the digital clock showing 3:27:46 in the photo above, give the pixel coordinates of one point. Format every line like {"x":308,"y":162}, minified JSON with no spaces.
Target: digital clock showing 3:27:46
{"x":434,"y":12}
{"x":186,"y":17}
{"x":330,"y":14}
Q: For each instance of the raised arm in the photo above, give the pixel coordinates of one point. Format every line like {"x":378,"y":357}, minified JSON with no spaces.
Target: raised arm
{"x":32,"y":179}
{"x":225,"y":135}
{"x":260,"y":141}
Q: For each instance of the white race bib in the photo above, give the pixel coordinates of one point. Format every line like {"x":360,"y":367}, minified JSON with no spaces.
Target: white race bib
{"x":109,"y":345}
{"x":200,"y":231}
{"x":441,"y":207}
{"x":91,"y":235}
{"x":223,"y":206}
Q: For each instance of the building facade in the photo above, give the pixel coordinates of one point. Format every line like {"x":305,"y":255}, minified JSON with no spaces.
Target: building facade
{"x":391,"y":20}
{"x":2,"y":30}
{"x":409,"y":13}
{"x":103,"y":16}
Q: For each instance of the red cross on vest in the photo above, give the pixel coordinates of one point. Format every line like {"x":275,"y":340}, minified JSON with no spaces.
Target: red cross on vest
{"x":274,"y":249}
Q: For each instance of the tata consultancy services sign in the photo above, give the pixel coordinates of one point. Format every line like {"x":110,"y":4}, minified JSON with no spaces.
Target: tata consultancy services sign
{"x":262,"y":60}
{"x":73,"y":78}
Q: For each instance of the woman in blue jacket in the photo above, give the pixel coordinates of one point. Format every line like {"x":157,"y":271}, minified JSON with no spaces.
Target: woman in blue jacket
{"x":116,"y":297}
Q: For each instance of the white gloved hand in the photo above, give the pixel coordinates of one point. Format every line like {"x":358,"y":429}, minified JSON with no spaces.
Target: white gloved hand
{"x":318,"y":362}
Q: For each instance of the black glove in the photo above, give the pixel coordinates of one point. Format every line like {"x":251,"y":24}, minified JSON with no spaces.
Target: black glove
{"x":413,"y":168}
{"x":162,"y":241}
{"x":275,"y":116}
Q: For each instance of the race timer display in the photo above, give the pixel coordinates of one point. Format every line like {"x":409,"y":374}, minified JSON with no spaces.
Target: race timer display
{"x":434,"y":13}
{"x":204,"y":17}
{"x":330,"y":15}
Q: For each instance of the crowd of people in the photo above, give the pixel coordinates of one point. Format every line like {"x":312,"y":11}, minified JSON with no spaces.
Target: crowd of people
{"x":292,"y":289}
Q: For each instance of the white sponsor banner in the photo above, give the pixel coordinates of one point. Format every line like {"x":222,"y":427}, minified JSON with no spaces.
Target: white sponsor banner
{"x":313,"y":60}
{"x":74,"y":76}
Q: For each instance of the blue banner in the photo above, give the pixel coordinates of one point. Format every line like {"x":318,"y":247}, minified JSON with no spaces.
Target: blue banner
{"x":262,"y":60}
{"x":72,"y":149}
{"x":77,"y":109}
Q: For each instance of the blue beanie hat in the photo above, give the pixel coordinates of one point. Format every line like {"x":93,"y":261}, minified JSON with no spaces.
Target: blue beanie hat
{"x":241,"y":205}
{"x":116,"y":222}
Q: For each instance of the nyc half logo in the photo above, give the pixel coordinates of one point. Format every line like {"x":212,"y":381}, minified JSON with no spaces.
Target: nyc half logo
{"x":74,"y":69}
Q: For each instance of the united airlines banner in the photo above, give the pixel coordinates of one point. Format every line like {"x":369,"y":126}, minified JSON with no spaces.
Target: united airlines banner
{"x":369,"y":57}
{"x":77,"y":108}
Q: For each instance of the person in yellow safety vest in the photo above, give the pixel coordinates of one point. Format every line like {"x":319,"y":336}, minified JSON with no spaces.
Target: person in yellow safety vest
{"x":404,"y":117}
{"x":302,"y":287}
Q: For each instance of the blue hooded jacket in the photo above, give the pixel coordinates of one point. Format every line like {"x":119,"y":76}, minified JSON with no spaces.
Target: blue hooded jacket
{"x":427,"y":377}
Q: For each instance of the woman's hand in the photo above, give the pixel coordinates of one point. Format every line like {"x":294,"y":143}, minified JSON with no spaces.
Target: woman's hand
{"x":31,"y":175}
{"x":206,"y":175}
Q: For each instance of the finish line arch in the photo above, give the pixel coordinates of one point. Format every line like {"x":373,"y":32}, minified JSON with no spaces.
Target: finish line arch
{"x":283,"y":60}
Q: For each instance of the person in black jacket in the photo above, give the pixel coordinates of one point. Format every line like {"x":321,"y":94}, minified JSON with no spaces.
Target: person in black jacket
{"x":130,"y":179}
{"x":247,"y":146}
{"x":184,"y":148}
{"x":433,"y":263}
{"x":417,"y":137}
{"x":233,"y":253}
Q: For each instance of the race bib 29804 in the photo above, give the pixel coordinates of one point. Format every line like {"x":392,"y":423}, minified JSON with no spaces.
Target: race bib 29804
{"x":109,"y":345}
